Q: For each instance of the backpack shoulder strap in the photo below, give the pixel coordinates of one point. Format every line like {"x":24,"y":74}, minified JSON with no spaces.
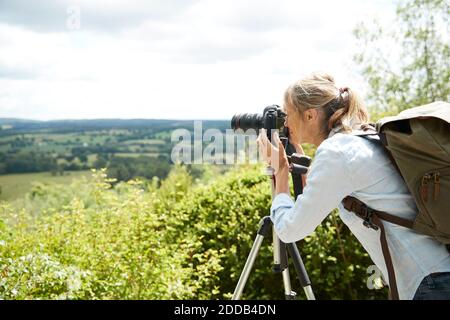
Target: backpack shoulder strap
{"x":372,"y":219}
{"x":363,"y":211}
{"x":369,"y":132}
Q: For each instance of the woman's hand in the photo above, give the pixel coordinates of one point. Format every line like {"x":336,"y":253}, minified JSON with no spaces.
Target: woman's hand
{"x":275,"y":156}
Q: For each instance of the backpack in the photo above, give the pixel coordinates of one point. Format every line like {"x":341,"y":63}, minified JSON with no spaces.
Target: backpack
{"x":417,"y":141}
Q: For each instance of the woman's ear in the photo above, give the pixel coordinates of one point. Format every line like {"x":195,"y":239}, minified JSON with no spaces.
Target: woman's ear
{"x":310,"y":114}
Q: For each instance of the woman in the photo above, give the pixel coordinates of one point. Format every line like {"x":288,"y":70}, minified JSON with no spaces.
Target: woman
{"x":321,"y":114}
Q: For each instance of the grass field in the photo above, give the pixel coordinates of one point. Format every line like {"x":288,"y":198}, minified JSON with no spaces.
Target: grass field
{"x":145,"y":141}
{"x":91,"y":159}
{"x":14,"y":186}
{"x":136,"y":155}
{"x":29,"y":148}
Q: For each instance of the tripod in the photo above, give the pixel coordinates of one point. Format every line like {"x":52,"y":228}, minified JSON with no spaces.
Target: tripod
{"x":298,"y":166}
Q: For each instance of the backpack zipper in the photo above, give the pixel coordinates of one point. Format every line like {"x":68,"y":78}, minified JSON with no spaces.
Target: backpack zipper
{"x":424,"y":185}
{"x":436,"y":185}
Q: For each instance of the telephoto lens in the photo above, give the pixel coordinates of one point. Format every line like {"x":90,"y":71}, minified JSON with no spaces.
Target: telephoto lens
{"x":272,"y":118}
{"x":247,"y":121}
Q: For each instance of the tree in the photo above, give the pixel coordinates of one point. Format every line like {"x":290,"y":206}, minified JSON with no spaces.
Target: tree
{"x":407,"y":63}
{"x":101,"y":162}
{"x":61,"y":169}
{"x":83,"y":158}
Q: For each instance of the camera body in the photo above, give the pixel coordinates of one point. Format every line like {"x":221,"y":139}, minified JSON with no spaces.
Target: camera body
{"x":273,"y":118}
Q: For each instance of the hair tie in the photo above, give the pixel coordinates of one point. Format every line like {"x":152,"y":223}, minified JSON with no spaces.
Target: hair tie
{"x":342,"y":90}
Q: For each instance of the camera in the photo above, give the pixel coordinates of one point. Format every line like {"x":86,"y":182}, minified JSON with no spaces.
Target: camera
{"x":273,"y":118}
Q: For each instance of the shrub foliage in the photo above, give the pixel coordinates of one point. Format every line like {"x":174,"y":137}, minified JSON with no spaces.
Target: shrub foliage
{"x":162,"y":240}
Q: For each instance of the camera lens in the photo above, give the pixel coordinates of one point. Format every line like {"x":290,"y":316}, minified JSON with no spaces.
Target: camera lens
{"x":247,"y":121}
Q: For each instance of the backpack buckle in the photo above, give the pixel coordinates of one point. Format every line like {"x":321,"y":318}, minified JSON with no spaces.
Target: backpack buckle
{"x":367,"y":217}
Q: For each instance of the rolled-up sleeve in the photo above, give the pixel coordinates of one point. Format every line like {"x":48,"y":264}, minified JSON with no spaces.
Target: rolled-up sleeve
{"x":329,"y":181}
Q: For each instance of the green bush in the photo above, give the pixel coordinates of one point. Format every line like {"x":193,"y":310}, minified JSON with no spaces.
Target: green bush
{"x":168,"y":240}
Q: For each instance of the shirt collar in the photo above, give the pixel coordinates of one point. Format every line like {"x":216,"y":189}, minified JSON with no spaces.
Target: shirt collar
{"x":335,"y":130}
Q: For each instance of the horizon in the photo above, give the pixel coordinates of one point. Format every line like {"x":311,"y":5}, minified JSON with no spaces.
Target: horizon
{"x":125,"y":119}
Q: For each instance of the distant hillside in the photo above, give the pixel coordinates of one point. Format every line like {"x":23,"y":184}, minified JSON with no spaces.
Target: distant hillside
{"x":129,"y":148}
{"x":15,"y":120}
{"x":12,"y":126}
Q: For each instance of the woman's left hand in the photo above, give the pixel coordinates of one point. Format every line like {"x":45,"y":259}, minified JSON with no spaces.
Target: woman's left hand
{"x":275,"y":156}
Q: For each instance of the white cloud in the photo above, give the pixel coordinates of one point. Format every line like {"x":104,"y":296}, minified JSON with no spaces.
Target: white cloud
{"x":98,"y":15}
{"x":208,"y":59}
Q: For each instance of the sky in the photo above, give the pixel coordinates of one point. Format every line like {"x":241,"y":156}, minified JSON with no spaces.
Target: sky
{"x":177,"y":59}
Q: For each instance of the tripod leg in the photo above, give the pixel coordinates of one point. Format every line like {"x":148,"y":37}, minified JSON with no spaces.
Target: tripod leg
{"x":262,"y":232}
{"x":281,"y":265}
{"x":289,"y":294}
{"x":247,"y":268}
{"x":301,"y":271}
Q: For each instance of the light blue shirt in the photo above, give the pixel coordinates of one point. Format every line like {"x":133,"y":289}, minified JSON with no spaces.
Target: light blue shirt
{"x":349,"y":165}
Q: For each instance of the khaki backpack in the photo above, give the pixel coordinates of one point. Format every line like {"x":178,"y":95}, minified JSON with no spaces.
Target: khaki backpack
{"x":417,"y":141}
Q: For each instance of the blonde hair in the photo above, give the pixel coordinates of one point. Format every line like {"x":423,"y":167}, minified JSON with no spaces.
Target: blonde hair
{"x":337,"y":106}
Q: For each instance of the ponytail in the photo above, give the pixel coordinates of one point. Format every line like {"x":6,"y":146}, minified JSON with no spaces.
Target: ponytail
{"x":346,"y":111}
